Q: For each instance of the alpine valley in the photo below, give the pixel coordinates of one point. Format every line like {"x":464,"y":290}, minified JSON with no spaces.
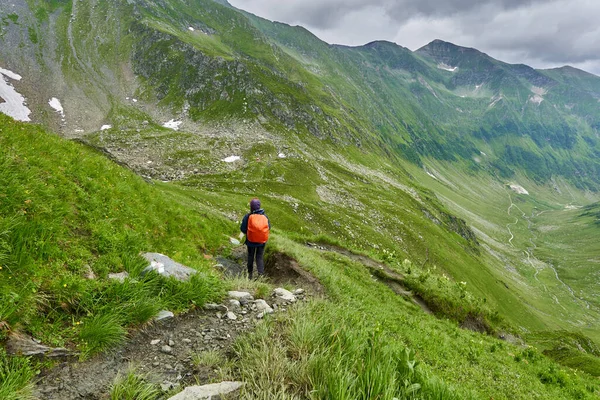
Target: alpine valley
{"x":442,"y":206}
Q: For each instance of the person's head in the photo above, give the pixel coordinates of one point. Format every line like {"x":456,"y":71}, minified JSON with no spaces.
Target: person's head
{"x":254,"y":204}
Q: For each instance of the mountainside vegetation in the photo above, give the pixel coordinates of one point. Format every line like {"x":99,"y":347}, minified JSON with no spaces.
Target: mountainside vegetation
{"x":441,"y":175}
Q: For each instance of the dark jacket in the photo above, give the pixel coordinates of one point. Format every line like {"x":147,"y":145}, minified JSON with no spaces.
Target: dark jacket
{"x":244,"y":227}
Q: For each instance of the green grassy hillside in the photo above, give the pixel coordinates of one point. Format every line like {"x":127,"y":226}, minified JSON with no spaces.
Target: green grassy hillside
{"x":385,"y":152}
{"x":68,"y":211}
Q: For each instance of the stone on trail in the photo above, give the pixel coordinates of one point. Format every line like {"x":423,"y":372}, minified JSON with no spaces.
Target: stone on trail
{"x":164,"y":266}
{"x":263,"y":306}
{"x":284,"y":294}
{"x":298,"y":292}
{"x":155,"y":342}
{"x":164,"y":315}
{"x":240,"y":295}
{"x":166,"y":349}
{"x":235,"y":304}
{"x":207,"y":391}
{"x":215,"y":307}
{"x":231,"y":316}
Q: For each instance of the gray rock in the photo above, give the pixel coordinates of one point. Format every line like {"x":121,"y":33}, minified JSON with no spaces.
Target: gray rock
{"x":164,"y":266}
{"x":284,"y":295}
{"x":155,"y":342}
{"x":166,"y":349}
{"x":171,"y":342}
{"x":263,"y":306}
{"x":260,"y":315}
{"x":215,"y":307}
{"x":240,"y":296}
{"x":298,"y":292}
{"x":231,"y":316}
{"x":18,"y":344}
{"x":207,"y":391}
{"x":163,"y":315}
{"x":234,"y":241}
{"x":121,"y":276}
{"x":235,"y":304}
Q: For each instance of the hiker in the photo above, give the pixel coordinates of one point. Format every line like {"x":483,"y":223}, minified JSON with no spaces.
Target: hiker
{"x":256,"y":227}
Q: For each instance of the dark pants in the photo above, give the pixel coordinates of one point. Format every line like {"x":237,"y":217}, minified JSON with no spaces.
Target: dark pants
{"x":259,"y":252}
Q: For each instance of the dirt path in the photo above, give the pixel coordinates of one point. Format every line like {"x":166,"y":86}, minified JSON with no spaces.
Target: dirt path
{"x":186,"y":336}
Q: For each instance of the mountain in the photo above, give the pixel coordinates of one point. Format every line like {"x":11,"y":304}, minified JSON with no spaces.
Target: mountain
{"x":464,"y":174}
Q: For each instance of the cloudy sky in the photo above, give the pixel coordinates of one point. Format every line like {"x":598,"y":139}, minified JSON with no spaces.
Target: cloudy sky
{"x":540,"y":33}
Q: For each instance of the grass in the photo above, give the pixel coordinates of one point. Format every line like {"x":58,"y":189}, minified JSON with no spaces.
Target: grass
{"x":15,"y":377}
{"x":67,"y":212}
{"x":132,"y":386}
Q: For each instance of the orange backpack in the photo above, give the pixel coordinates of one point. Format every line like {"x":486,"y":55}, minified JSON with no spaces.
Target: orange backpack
{"x":258,"y":228}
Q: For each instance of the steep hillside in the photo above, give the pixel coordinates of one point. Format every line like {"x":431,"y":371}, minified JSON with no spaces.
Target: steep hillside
{"x":69,"y":216}
{"x":464,"y":174}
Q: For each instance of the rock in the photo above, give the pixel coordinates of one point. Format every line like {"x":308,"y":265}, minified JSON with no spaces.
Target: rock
{"x":263,"y":306}
{"x":164,"y":315}
{"x":166,"y":386}
{"x":207,"y":391}
{"x":18,"y":344}
{"x":235,"y":304}
{"x":240,"y":296}
{"x":155,"y":342}
{"x":171,"y":342}
{"x":121,"y":276}
{"x":231,"y":316}
{"x":234,"y":241}
{"x":215,"y":307}
{"x":89,"y":273}
{"x":166,"y":349}
{"x":164,"y":266}
{"x":186,"y":340}
{"x":298,"y":292}
{"x":284,"y":295}
{"x":260,"y":315}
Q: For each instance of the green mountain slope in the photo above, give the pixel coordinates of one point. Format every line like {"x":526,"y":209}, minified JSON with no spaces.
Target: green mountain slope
{"x":403,"y":155}
{"x":67,"y":211}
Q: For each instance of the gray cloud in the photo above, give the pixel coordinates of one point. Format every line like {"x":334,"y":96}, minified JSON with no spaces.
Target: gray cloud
{"x":539,"y":33}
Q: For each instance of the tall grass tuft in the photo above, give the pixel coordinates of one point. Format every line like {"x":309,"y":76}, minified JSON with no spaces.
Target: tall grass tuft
{"x":15,"y":376}
{"x":101,"y":332}
{"x":133,"y":387}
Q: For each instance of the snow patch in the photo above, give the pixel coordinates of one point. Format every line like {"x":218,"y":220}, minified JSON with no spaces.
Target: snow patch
{"x":231,"y":159}
{"x":281,"y":155}
{"x":134,"y":100}
{"x":172,"y":124}
{"x":55,"y":104}
{"x":14,"y":102}
{"x":432,"y":175}
{"x":10,"y":74}
{"x":191,"y":29}
{"x":105,"y":127}
{"x":446,"y":67}
{"x":518,"y":189}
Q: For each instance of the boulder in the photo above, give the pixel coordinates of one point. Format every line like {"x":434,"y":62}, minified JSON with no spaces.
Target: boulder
{"x":240,"y":295}
{"x":164,"y":266}
{"x":284,"y":295}
{"x":208,"y":391}
{"x":263,"y":306}
{"x":23,"y":345}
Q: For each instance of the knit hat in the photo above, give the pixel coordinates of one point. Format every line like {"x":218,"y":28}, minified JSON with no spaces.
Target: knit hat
{"x":254,"y":204}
